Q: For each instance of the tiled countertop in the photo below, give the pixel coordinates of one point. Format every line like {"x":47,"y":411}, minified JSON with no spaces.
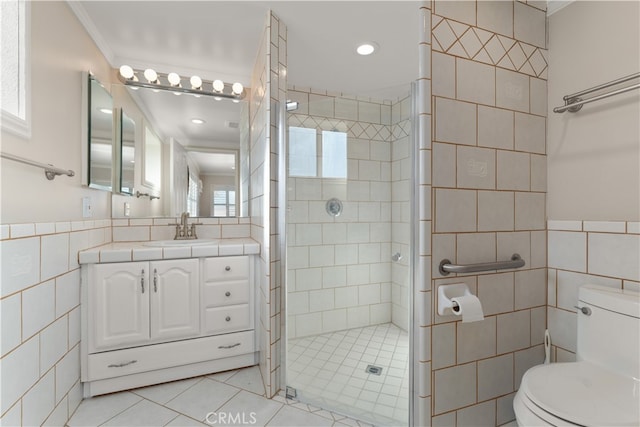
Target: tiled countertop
{"x":138,"y":251}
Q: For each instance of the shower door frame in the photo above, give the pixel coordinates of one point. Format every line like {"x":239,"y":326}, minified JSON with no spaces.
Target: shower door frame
{"x":283,"y":133}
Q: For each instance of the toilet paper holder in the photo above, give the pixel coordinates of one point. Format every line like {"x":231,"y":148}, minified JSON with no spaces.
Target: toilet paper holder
{"x":445,"y":293}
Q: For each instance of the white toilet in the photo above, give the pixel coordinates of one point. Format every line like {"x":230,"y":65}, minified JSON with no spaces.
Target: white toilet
{"x":602,"y":388}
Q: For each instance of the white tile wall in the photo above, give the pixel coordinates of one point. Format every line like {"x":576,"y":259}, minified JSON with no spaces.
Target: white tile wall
{"x":604,"y":253}
{"x":41,"y":319}
{"x":341,"y":266}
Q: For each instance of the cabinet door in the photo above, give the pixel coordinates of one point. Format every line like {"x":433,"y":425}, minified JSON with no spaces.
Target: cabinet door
{"x":119,"y":305}
{"x":174,"y":299}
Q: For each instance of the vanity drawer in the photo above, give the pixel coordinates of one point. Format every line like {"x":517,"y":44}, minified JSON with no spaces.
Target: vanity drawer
{"x":110,"y":364}
{"x":217,"y":294}
{"x":226,"y":319}
{"x":226,"y":268}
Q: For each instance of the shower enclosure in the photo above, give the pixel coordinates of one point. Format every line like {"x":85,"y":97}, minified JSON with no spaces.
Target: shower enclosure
{"x":349,"y":183}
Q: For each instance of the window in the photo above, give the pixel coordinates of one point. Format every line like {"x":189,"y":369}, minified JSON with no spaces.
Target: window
{"x":309,"y":153}
{"x":15,"y":77}
{"x":193,"y":198}
{"x":302,"y":152}
{"x":334,"y":154}
{"x":224,"y":201}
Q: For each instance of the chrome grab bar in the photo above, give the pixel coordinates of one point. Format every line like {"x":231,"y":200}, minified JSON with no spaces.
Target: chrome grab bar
{"x":446,"y":267}
{"x":573,"y":102}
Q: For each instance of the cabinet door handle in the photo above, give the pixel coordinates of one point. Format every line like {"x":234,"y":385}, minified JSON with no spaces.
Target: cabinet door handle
{"x":229,"y":346}
{"x":227,"y":294}
{"x":228,"y":318}
{"x":155,"y":280}
{"x":227,"y":268}
{"x":142,"y":281}
{"x":123,"y":364}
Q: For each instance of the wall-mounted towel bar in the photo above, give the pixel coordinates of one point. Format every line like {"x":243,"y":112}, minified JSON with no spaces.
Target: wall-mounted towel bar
{"x":50,"y":171}
{"x":574,"y":102}
{"x":446,"y":267}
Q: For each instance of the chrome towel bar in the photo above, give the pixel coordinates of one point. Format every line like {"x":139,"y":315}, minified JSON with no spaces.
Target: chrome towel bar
{"x":446,"y":267}
{"x":574,"y":102}
{"x":50,"y":171}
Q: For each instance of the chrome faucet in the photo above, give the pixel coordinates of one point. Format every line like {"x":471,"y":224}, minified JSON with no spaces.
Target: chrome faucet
{"x":184,"y":231}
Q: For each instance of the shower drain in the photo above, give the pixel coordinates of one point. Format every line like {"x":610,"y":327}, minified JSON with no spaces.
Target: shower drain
{"x":375,"y":370}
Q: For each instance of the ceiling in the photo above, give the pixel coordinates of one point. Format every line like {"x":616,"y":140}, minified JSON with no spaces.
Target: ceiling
{"x":220,"y":40}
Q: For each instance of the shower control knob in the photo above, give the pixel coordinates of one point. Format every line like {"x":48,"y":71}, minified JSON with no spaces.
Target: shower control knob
{"x":584,"y":310}
{"x":228,"y":319}
{"x":227,"y":294}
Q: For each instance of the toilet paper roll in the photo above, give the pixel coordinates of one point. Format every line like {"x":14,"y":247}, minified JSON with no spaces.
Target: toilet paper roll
{"x":469,"y":307}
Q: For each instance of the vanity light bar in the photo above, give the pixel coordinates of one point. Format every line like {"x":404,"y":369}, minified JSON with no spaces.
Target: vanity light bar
{"x":173,"y":82}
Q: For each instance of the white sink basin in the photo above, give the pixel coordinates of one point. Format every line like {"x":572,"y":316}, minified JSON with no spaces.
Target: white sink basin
{"x":174,"y":243}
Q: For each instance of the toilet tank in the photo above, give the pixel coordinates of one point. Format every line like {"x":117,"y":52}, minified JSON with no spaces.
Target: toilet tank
{"x":609,"y":335}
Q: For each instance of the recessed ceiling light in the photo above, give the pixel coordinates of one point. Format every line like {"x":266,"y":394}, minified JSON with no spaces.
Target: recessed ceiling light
{"x":366,"y":48}
{"x":197,"y":121}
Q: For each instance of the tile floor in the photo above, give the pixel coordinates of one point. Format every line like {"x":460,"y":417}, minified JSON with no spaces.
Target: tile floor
{"x":227,"y":398}
{"x":328,"y":370}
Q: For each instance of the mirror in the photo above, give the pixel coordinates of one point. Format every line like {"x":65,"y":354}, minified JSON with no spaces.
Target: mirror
{"x":152,"y":164}
{"x":196,"y":140}
{"x":100,"y":136}
{"x":127,"y":153}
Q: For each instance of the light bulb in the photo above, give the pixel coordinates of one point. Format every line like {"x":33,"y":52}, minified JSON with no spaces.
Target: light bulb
{"x":218,"y":85}
{"x":366,"y":49}
{"x":196,"y":82}
{"x":150,"y":75}
{"x":237,"y":88}
{"x":174,"y":79}
{"x":126,"y":71}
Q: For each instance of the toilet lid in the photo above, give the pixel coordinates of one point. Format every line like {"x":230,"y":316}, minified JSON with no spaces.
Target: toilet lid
{"x":583,"y":393}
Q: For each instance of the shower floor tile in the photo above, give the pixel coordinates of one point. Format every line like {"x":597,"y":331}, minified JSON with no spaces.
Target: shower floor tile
{"x":330,"y":371}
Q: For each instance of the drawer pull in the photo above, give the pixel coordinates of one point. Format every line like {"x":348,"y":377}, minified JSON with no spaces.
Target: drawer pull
{"x":155,"y":280}
{"x":228,"y":318}
{"x":123,"y":364}
{"x":227,"y":294}
{"x":229,"y":346}
{"x":227,"y":268}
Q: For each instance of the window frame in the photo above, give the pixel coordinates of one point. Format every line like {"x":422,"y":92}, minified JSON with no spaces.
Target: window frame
{"x":9,"y":122}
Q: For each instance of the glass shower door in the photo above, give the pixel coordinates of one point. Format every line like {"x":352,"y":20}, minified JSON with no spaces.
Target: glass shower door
{"x":348,"y":186}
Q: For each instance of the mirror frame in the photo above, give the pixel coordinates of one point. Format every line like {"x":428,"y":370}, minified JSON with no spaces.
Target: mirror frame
{"x":86,"y":128}
{"x":122,"y":117}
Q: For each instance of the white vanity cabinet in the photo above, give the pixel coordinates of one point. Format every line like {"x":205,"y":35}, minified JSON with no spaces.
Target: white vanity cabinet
{"x":137,"y":303}
{"x":147,"y":322}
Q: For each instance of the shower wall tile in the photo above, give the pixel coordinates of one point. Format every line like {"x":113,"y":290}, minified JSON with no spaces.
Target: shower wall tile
{"x":343,"y":263}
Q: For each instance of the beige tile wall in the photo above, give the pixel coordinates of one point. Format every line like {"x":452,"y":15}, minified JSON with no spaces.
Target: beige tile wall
{"x":488,"y":175}
{"x":604,"y":253}
{"x":40,"y":309}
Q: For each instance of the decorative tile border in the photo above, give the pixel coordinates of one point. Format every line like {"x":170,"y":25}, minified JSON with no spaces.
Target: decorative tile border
{"x":465,"y":41}
{"x":376,"y":132}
